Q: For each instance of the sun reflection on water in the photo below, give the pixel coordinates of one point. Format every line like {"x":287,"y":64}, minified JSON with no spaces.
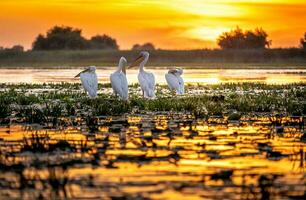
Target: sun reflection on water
{"x":197,"y":75}
{"x":158,"y":156}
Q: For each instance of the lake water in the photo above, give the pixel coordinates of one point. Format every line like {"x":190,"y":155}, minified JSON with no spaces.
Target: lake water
{"x":157,"y":156}
{"x":204,"y":76}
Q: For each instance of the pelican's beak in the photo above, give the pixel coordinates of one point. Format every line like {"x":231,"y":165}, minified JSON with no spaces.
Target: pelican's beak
{"x":86,"y":70}
{"x":137,"y":61}
{"x":172,"y":71}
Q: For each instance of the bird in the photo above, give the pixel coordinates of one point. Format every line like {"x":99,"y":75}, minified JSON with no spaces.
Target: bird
{"x":119,"y":82}
{"x":146,"y":79}
{"x":89,"y":81}
{"x":175,"y":81}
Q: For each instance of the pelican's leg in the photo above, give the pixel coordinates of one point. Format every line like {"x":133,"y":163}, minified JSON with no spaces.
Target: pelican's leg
{"x":142,"y":94}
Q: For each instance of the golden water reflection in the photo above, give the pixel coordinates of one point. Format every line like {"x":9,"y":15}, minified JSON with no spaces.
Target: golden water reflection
{"x":157,"y":157}
{"x":204,"y":76}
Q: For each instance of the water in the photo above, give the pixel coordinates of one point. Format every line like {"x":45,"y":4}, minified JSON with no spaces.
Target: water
{"x":205,"y":76}
{"x":157,"y":156}
{"x":152,"y":155}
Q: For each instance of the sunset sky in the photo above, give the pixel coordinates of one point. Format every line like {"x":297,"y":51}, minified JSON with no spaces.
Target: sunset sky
{"x":169,"y":24}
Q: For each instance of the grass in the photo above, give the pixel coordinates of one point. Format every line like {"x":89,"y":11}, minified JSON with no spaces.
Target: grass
{"x":222,"y":100}
{"x":252,"y":58}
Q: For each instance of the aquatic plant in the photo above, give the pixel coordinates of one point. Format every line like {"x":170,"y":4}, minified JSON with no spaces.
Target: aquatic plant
{"x":48,"y":102}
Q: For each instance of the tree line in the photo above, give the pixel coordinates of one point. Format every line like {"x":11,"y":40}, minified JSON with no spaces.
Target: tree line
{"x":239,"y":39}
{"x":69,"y":38}
{"x":65,"y":37}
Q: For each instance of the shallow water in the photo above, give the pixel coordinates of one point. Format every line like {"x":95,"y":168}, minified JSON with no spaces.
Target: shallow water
{"x":205,"y":76}
{"x":50,"y":151}
{"x":154,"y":156}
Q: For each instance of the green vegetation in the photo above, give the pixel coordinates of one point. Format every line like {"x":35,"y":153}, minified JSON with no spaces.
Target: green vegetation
{"x":147,"y":46}
{"x":65,"y":46}
{"x":248,"y":58}
{"x":49,"y":105}
{"x":55,"y":140}
{"x":303,"y":41}
{"x":239,"y":39}
{"x":65,"y":37}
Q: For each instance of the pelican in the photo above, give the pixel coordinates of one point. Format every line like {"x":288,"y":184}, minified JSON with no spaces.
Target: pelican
{"x":119,"y":81}
{"x":175,"y":81}
{"x":89,"y":81}
{"x":146,"y":79}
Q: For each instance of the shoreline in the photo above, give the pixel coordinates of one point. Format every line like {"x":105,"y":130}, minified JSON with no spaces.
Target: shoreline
{"x":204,"y":66}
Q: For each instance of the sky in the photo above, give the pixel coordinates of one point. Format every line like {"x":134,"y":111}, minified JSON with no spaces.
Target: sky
{"x":168,"y":24}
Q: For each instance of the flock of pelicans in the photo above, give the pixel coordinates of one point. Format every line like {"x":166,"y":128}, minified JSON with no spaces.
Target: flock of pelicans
{"x":119,"y":81}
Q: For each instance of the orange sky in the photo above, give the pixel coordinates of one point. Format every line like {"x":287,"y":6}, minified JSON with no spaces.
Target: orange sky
{"x":169,"y":24}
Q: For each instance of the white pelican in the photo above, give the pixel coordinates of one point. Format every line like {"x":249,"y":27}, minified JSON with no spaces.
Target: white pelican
{"x":175,"y":81}
{"x":119,"y":81}
{"x":89,"y":81}
{"x":145,"y":79}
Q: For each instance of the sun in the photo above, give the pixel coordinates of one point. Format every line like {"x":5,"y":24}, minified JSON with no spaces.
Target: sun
{"x":209,"y":33}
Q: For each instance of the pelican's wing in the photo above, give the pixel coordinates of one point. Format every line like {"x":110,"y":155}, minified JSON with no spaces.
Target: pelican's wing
{"x":142,"y":81}
{"x":90,"y":83}
{"x":147,"y":83}
{"x":119,"y":84}
{"x":181,"y":85}
{"x":151,"y":81}
{"x":172,"y":81}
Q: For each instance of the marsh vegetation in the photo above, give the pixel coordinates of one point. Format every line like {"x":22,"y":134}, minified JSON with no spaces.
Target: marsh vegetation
{"x":234,"y":141}
{"x":206,"y":58}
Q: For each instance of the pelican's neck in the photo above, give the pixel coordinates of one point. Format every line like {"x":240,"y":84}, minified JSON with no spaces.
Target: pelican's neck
{"x":119,"y":68}
{"x":141,"y":67}
{"x":142,"y":64}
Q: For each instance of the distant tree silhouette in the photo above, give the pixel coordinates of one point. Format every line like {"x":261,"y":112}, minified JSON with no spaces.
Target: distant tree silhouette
{"x":17,"y":48}
{"x":237,"y":39}
{"x":303,"y":41}
{"x":65,"y":37}
{"x":147,"y":46}
{"x":40,"y":43}
{"x":136,"y":47}
{"x":60,"y":37}
{"x":103,"y":42}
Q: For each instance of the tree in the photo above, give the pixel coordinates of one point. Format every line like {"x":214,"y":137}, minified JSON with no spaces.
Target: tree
{"x":147,"y":46}
{"x":60,"y":37}
{"x":65,"y":37}
{"x":237,"y":39}
{"x":40,"y":43}
{"x":136,"y":47}
{"x":17,"y":48}
{"x":303,"y":41}
{"x":103,"y":42}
